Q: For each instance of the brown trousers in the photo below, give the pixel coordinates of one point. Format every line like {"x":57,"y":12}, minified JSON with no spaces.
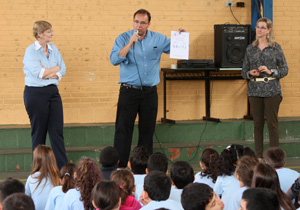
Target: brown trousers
{"x":269,"y":107}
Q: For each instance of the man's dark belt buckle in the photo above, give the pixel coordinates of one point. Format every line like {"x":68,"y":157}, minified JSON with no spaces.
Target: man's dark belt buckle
{"x":266,"y":79}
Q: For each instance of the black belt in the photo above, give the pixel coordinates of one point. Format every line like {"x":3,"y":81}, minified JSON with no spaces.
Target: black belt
{"x":137,"y":87}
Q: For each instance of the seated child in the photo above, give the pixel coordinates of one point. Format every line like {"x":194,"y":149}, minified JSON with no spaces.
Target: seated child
{"x":67,"y":181}
{"x":125,"y":180}
{"x":156,"y":162}
{"x":109,"y":161}
{"x":106,"y":195}
{"x":198,"y":196}
{"x":208,"y":163}
{"x":275,"y":157}
{"x":181,"y":174}
{"x":259,"y":198}
{"x":157,"y":187}
{"x":243,"y":173}
{"x":8,"y":187}
{"x":18,"y":201}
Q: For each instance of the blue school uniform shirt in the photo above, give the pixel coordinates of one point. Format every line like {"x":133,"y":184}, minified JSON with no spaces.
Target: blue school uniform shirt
{"x":235,"y":200}
{"x":55,"y":199}
{"x":145,"y":54}
{"x":204,"y":180}
{"x":287,"y":178}
{"x":72,"y":200}
{"x":35,"y":62}
{"x":175,"y":194}
{"x":41,"y":193}
{"x":226,"y":186}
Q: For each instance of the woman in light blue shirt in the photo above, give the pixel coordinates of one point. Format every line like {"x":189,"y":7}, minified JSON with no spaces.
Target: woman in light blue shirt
{"x":43,"y":68}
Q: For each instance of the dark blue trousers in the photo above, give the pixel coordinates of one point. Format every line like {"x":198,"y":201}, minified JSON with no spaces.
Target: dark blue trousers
{"x":132,"y":102}
{"x":45,"y":111}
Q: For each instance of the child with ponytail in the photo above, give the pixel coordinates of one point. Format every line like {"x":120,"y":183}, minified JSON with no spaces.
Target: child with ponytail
{"x":125,"y":180}
{"x":209,"y":164}
{"x":67,"y":180}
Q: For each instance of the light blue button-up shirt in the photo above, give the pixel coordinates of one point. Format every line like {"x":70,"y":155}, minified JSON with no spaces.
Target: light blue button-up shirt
{"x":35,"y":62}
{"x":143,"y":59}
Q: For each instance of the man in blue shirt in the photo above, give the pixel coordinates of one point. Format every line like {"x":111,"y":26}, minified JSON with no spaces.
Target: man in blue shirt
{"x":138,"y":53}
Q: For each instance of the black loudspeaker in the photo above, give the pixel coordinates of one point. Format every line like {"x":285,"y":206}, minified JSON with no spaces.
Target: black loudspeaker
{"x":231,"y":42}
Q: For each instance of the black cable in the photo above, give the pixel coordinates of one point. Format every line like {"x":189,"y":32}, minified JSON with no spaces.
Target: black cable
{"x":138,"y":71}
{"x":234,"y":16}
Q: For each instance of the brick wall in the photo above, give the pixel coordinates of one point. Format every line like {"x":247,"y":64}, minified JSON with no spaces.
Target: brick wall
{"x":85,"y":32}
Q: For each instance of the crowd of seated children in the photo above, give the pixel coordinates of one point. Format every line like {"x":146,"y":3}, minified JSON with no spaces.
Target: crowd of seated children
{"x":209,"y":165}
{"x":240,"y":179}
{"x":181,"y":174}
{"x":109,"y":161}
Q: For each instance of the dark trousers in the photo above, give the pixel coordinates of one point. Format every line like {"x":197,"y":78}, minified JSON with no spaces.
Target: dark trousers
{"x":132,"y":102}
{"x":45,"y":111}
{"x":268,"y":107}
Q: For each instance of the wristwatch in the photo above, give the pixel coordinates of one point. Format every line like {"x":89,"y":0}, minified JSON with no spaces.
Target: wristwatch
{"x":273,"y":72}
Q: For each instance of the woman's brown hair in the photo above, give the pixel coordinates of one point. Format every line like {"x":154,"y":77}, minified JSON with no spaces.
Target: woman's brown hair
{"x":88,"y":174}
{"x":44,"y":162}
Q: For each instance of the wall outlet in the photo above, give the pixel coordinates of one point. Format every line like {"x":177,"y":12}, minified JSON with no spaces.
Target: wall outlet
{"x":229,"y":3}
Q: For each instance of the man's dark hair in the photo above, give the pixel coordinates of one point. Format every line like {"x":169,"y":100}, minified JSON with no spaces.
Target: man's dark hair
{"x":275,"y":157}
{"x":10,"y":186}
{"x":181,"y":174}
{"x":157,"y":162}
{"x":143,"y":11}
{"x":138,"y":160}
{"x":196,"y":196}
{"x":158,"y":186}
{"x":18,"y":201}
{"x":109,"y":156}
{"x":261,"y":198}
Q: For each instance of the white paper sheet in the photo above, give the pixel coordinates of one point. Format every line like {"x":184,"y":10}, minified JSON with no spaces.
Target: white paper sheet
{"x":179,"y":45}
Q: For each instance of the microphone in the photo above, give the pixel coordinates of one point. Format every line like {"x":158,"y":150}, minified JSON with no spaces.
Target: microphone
{"x":135,"y":32}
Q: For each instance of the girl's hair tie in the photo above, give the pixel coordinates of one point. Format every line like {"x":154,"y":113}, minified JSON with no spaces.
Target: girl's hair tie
{"x":121,"y":187}
{"x":67,"y":174}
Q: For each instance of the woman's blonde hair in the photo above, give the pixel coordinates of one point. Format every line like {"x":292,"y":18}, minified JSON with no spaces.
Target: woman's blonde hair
{"x":44,"y":162}
{"x":270,"y":36}
{"x":40,"y":27}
